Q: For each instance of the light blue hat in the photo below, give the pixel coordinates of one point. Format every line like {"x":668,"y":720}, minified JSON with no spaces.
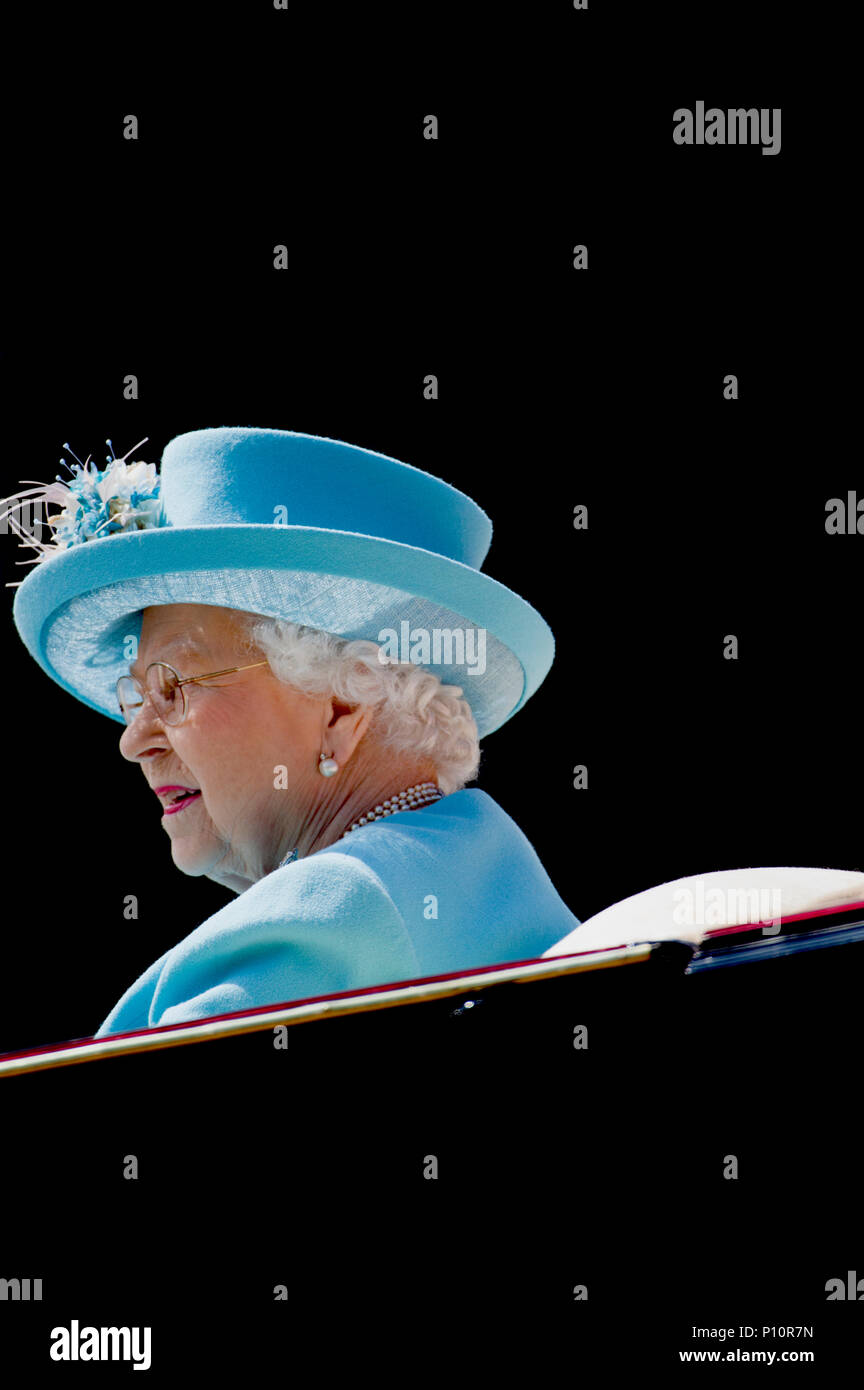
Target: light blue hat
{"x":287,"y":525}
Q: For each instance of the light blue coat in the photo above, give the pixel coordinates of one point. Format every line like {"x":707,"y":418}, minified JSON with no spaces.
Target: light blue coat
{"x":445,"y":888}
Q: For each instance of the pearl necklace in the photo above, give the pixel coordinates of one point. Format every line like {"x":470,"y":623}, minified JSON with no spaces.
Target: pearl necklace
{"x":421,"y":794}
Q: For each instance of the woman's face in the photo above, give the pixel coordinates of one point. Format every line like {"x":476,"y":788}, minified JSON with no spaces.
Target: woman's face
{"x":239,"y":731}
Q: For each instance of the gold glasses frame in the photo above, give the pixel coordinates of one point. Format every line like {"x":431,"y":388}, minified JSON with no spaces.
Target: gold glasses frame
{"x":179,"y":682}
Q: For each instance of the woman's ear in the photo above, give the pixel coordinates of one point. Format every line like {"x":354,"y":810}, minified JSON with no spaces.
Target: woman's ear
{"x":346,"y":727}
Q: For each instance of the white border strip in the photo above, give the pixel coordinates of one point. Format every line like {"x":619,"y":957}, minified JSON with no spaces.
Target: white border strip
{"x":149,"y":1040}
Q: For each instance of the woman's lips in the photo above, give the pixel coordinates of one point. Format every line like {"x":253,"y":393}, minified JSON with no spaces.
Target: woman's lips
{"x":181,"y":805}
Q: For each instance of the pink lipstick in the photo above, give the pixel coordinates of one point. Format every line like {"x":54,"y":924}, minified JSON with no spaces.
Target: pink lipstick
{"x":176,"y":798}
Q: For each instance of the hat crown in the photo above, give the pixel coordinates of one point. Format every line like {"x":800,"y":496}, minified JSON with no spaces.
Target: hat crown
{"x":243,"y":476}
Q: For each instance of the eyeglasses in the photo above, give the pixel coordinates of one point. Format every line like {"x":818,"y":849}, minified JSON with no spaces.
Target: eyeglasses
{"x":165,"y":689}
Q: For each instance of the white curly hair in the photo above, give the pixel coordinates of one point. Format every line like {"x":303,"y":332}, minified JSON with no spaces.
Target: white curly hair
{"x":413,"y":710}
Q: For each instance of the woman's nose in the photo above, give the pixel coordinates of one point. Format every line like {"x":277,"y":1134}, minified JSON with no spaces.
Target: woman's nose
{"x":143,"y":735}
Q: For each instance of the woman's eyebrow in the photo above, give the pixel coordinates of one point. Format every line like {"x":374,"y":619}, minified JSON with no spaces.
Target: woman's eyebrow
{"x":183,"y":650}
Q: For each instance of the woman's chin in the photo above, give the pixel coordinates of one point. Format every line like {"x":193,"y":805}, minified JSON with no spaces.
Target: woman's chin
{"x":192,"y":856}
{"x":197,"y":853}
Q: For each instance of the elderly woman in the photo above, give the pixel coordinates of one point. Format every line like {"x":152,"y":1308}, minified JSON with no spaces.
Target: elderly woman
{"x":305,"y":654}
{"x":299,"y":640}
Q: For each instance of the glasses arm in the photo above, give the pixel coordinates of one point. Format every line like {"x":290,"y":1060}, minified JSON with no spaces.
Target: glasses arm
{"x":227,"y":672}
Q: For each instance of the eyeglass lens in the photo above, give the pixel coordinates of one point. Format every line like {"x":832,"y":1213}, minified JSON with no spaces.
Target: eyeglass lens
{"x":165,"y":694}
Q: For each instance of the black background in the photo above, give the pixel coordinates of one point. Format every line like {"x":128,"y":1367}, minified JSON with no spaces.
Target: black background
{"x":557,"y":388}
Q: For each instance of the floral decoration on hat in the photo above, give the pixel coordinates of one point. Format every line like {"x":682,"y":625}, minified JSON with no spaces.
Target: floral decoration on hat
{"x":124,"y":496}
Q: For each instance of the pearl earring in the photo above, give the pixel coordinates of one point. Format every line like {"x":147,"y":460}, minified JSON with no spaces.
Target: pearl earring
{"x":327,"y":766}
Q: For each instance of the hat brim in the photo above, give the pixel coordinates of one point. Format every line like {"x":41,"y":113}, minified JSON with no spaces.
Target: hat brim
{"x":75,"y":610}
